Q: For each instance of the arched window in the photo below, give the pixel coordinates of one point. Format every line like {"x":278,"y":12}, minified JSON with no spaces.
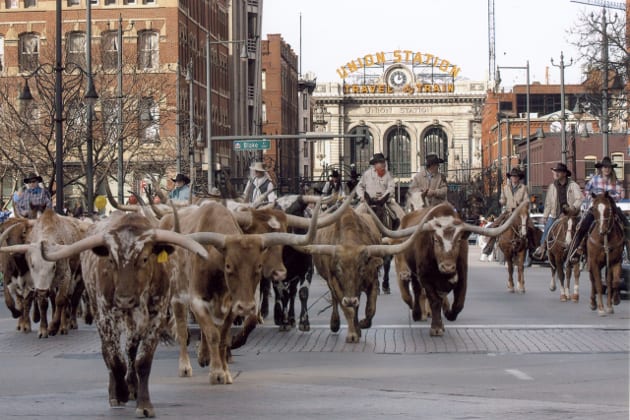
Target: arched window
{"x":29,"y":51}
{"x":435,"y":141}
{"x":399,"y":151}
{"x":148,"y":50}
{"x":361,"y":148}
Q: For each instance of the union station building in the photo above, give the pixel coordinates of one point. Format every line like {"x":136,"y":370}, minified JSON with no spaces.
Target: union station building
{"x":405,"y":104}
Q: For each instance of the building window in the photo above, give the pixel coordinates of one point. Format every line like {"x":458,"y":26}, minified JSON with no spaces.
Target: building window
{"x":361,"y":148}
{"x":148,"y":50}
{"x":110,"y":2}
{"x":589,"y":167}
{"x":29,"y":51}
{"x":264,"y":113}
{"x":435,"y":141}
{"x":305,"y":98}
{"x":617,"y":158}
{"x":74,"y":3}
{"x":30,"y":3}
{"x":399,"y":151}
{"x":1,"y":54}
{"x":149,"y":123}
{"x":110,"y":119}
{"x":263,"y":80}
{"x":109,"y":50}
{"x":11,"y":4}
{"x":129,"y":1}
{"x":75,"y":48}
{"x":148,"y":1}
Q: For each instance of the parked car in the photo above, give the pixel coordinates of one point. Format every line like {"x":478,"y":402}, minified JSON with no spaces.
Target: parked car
{"x":539,"y":222}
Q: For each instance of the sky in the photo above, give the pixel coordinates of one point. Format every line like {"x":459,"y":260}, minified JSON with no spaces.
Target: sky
{"x":335,"y":32}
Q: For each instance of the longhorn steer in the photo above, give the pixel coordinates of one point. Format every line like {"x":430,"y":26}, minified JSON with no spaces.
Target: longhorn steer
{"x":437,"y":262}
{"x":348,"y":256}
{"x":18,"y":284}
{"x":129,"y":290}
{"x":61,"y":281}
{"x":221,"y":288}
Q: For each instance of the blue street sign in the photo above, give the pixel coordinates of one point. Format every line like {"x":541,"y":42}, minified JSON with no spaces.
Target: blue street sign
{"x":245,"y":145}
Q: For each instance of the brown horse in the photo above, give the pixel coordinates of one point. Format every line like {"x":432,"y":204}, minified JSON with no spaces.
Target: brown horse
{"x":559,"y":238}
{"x":513,"y":244}
{"x":604,"y":250}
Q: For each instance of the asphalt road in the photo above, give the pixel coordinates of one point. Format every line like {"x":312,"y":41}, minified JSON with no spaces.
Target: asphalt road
{"x":507,"y":355}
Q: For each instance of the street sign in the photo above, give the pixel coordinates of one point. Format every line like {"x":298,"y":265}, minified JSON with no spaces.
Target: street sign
{"x":245,"y":145}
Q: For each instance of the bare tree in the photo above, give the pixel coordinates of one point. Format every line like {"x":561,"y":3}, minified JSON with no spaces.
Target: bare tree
{"x":591,"y":34}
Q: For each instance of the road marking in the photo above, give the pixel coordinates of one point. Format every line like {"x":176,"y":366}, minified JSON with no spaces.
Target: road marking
{"x":519,"y":374}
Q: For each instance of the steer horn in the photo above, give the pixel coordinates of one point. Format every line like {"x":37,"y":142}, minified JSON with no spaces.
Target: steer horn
{"x":115,"y":204}
{"x":326,"y":220}
{"x":5,"y":234}
{"x":496,"y":231}
{"x":159,"y":235}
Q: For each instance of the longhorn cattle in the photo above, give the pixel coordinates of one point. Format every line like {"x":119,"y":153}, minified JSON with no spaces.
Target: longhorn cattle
{"x":18,"y":284}
{"x":348,"y":255}
{"x":438,"y":261}
{"x":221,"y":288}
{"x":60,"y":281}
{"x":124,"y":267}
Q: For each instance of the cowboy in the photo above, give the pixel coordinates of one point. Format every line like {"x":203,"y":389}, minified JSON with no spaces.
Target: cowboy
{"x":181,"y":192}
{"x":513,"y":194}
{"x":259,"y":184}
{"x":605,"y":180}
{"x":562,"y":192}
{"x":35,"y":195}
{"x":333,"y":185}
{"x":430,"y":182}
{"x":379,"y":184}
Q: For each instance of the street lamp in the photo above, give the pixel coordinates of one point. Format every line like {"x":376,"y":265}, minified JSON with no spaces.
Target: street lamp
{"x":526,"y":67}
{"x":243,"y":56}
{"x":563,"y":116}
{"x":90,"y":97}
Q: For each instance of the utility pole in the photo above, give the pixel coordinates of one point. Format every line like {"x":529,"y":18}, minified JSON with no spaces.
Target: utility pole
{"x":563,"y":116}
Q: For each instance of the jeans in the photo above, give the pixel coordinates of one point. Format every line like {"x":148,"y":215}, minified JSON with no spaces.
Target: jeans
{"x":550,"y":221}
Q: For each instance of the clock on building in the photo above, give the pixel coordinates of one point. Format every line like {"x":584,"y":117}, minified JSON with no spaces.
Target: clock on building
{"x":398,"y":78}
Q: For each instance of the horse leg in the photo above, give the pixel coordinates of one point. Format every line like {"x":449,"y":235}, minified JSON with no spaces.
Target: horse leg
{"x":554,"y":272}
{"x":575,"y":297}
{"x":510,"y":269}
{"x":564,"y":282}
{"x":387,"y":262}
{"x":596,"y":288}
{"x":305,"y":285}
{"x":521,"y":270}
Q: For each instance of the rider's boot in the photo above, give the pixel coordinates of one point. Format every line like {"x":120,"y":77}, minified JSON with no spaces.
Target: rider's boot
{"x":541,"y":252}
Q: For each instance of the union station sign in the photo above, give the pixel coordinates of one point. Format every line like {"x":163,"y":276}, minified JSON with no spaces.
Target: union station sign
{"x":406,"y":71}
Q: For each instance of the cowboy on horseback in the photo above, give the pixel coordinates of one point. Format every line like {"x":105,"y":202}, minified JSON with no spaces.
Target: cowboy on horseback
{"x":605,"y":180}
{"x":513,"y":194}
{"x":430,"y":183}
{"x":562,"y":192}
{"x":379,"y":185}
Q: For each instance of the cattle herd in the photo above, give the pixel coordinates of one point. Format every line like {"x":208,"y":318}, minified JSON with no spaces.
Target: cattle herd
{"x":142,"y":271}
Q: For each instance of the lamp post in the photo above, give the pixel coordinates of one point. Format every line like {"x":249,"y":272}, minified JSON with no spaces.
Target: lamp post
{"x":563,"y":117}
{"x":191,"y":122}
{"x":243,"y":56}
{"x":526,"y":68}
{"x":90,"y":96}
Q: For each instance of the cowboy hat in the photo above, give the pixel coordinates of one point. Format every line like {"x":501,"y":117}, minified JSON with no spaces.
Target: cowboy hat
{"x":215,"y":192}
{"x":32,"y":176}
{"x":378,"y":157}
{"x":516,"y":172}
{"x":258,"y":166}
{"x":181,"y":177}
{"x":606,"y":162}
{"x":561,"y":167}
{"x":433,"y":159}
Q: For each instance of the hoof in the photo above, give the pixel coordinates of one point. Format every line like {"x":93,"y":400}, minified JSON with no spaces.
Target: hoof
{"x":352,"y":338}
{"x":616,"y":298}
{"x":610,"y":310}
{"x":563,"y":298}
{"x":365,"y":323}
{"x":511,"y":289}
{"x":146,"y":412}
{"x":552,"y":287}
{"x":436,"y":332}
{"x":387,"y":291}
{"x":575,"y":297}
{"x":601,"y":312}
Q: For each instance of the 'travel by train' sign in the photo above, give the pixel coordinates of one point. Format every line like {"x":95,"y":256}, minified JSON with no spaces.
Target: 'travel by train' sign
{"x":405,"y":71}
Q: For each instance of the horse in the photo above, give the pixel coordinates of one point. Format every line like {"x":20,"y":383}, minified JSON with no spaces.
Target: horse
{"x":604,"y":250}
{"x":558,"y":241}
{"x":513,"y":244}
{"x":416,"y":201}
{"x":378,"y":206}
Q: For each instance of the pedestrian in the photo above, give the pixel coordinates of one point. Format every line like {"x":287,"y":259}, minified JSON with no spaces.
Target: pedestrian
{"x":378,"y":184}
{"x":181,"y":192}
{"x":259,"y":184}
{"x":35,"y":198}
{"x":605,"y":180}
{"x":562,"y":192}
{"x":513,"y":193}
{"x":429,"y":182}
{"x":354,"y":179}
{"x":333,"y":185}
